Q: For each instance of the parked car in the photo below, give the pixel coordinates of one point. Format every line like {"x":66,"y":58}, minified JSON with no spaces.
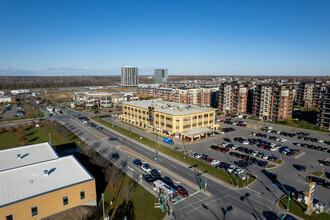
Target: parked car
{"x":299,"y":167}
{"x":214,"y":162}
{"x":177,"y":148}
{"x":238,"y":171}
{"x":227,"y":140}
{"x":231,"y":168}
{"x":168,"y":140}
{"x":223,"y":165}
{"x":197,"y":156}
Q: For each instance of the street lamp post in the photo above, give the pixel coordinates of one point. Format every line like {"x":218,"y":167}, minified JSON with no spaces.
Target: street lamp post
{"x":237,"y":178}
{"x":103,"y":204}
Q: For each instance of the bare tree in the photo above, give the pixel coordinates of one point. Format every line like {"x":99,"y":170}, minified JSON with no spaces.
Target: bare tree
{"x":128,"y":190}
{"x":114,"y":176}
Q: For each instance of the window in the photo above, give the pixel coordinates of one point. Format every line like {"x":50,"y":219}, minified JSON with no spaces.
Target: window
{"x":65,"y":200}
{"x":82,"y":195}
{"x":34,"y":211}
{"x":9,"y":217}
{"x":206,"y":115}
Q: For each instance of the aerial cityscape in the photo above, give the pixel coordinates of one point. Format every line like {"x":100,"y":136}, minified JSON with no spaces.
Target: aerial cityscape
{"x":165,"y":110}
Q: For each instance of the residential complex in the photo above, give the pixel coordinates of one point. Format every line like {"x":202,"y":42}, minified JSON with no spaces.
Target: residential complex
{"x":179,"y":120}
{"x":99,"y":99}
{"x":36,"y":183}
{"x":129,"y":76}
{"x":323,"y":117}
{"x":272,"y":102}
{"x":161,"y":76}
{"x":309,"y":93}
{"x":233,"y":97}
{"x":200,"y":96}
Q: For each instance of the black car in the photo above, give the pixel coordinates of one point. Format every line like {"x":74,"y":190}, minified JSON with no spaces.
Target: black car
{"x":214,"y":147}
{"x":112,"y":139}
{"x":243,"y":163}
{"x":263,"y":163}
{"x":148,"y":178}
{"x":155,"y":174}
{"x":227,"y":140}
{"x":168,"y":181}
{"x":115,"y":156}
{"x":223,"y":165}
{"x":318,"y":181}
{"x":137,"y":162}
{"x":299,"y":167}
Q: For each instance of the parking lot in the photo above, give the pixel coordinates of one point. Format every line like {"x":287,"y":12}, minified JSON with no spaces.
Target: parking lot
{"x":298,"y":161}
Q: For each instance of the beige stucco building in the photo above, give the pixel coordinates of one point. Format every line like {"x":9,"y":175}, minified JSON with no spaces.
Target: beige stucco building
{"x":177,"y":120}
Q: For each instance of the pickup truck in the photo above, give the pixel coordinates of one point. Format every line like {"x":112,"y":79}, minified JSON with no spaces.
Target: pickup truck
{"x":168,"y":140}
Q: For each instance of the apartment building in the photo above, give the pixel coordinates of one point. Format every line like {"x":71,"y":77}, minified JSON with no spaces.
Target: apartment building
{"x":161,"y":76}
{"x":178,"y":120}
{"x":273,"y":102}
{"x":323,"y":116}
{"x":99,"y":99}
{"x":129,"y":76}
{"x":201,"y":96}
{"x":233,"y":97}
{"x":309,"y":93}
{"x":36,"y":183}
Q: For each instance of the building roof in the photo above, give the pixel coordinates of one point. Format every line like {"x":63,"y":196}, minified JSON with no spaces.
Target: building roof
{"x":104,"y":93}
{"x":29,"y":181}
{"x":170,"y":108}
{"x":198,"y":131}
{"x":29,"y":155}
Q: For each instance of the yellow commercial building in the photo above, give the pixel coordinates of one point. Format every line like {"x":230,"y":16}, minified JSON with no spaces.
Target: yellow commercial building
{"x":36,"y":183}
{"x":178,"y":120}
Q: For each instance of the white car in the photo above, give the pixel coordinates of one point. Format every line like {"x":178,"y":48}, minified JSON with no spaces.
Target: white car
{"x":245,"y":142}
{"x":234,"y":147}
{"x":272,"y":144}
{"x":254,"y":134}
{"x":277,"y":139}
{"x":146,"y":168}
{"x":231,"y":168}
{"x":278,"y":132}
{"x":224,"y":144}
{"x":197,"y":156}
{"x":273,"y":148}
{"x":255,"y":153}
{"x":269,"y":131}
{"x":320,"y":141}
{"x":283,"y":139}
{"x":238,"y":171}
{"x":265,"y":157}
{"x":214,"y":162}
{"x":269,"y":128}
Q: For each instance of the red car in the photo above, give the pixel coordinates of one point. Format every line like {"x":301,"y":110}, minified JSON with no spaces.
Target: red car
{"x":182,"y":191}
{"x":110,"y":111}
{"x":262,"y":146}
{"x":96,"y":112}
{"x":224,"y":150}
{"x":222,"y":121}
{"x":245,"y":157}
{"x":208,"y":160}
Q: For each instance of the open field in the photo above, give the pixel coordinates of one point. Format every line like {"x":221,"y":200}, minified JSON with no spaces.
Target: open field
{"x":300,"y":124}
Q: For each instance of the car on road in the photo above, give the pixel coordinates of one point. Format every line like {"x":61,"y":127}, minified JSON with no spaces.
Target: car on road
{"x":96,"y":112}
{"x":137,"y":162}
{"x":168,"y":181}
{"x":115,"y":156}
{"x":112,"y":139}
{"x":155,"y":174}
{"x":148,"y":178}
{"x":146,"y":168}
{"x":168,"y":140}
{"x":182,"y":191}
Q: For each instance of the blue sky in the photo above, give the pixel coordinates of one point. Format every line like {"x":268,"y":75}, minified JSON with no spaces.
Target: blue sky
{"x":289,"y":37}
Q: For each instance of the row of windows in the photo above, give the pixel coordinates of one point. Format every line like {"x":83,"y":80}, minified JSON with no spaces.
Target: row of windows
{"x":34,"y":210}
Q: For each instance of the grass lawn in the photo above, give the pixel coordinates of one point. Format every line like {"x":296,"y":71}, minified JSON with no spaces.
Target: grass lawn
{"x":158,"y":135}
{"x":141,"y":206}
{"x":299,"y":124}
{"x":218,"y":173}
{"x":132,"y":125}
{"x":298,"y":209}
{"x":39,"y":135}
{"x":318,"y":173}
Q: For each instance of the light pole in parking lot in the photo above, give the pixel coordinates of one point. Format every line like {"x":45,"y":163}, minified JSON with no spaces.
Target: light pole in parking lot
{"x":237,"y":178}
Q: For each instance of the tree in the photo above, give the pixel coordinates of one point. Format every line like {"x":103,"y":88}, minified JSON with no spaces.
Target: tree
{"x":128,"y":190}
{"x":12,"y":129}
{"x":114,"y":176}
{"x":2,"y":130}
